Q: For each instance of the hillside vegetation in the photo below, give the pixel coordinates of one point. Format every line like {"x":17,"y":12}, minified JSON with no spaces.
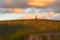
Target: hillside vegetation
{"x":16,"y":29}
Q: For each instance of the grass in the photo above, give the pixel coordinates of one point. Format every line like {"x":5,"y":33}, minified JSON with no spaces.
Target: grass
{"x":17,"y":29}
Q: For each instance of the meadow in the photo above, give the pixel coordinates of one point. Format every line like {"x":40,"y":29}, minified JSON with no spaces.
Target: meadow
{"x":18,"y":29}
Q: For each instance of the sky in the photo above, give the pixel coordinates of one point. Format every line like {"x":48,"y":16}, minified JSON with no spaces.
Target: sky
{"x":17,"y":6}
{"x":26,"y":3}
{"x":13,"y":3}
{"x":54,"y":4}
{"x":50,"y":16}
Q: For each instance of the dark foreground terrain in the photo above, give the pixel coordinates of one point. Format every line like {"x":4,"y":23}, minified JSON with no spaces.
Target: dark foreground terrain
{"x":30,"y":30}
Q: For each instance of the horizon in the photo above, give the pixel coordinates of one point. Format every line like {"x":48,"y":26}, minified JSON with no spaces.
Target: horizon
{"x":49,"y":9}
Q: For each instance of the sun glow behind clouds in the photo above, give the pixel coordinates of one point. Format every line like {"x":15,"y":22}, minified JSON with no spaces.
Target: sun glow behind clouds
{"x":12,"y":10}
{"x":40,"y":3}
{"x":17,"y":10}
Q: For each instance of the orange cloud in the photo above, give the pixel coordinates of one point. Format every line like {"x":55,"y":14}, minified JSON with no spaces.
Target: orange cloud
{"x":39,"y":16}
{"x":17,"y":10}
{"x":51,"y":14}
{"x":40,"y":3}
{"x":29,"y":16}
{"x":13,"y":10}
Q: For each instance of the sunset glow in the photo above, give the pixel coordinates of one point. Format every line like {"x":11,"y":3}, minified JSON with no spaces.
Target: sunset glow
{"x":40,"y":3}
{"x":13,"y":10}
{"x":17,"y":10}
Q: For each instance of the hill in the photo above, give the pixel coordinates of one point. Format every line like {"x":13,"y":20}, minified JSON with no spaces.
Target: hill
{"x":11,"y":29}
{"x":37,"y":24}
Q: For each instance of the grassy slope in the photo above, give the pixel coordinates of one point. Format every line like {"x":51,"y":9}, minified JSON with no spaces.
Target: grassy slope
{"x":35,"y":24}
{"x":15,"y":28}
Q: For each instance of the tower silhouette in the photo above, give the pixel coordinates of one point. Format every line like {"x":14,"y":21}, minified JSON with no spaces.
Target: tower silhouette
{"x":35,"y":13}
{"x":36,"y":17}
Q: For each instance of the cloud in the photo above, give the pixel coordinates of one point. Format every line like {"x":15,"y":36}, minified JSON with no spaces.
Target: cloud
{"x":26,"y":4}
{"x":53,"y":16}
{"x":40,"y":3}
{"x":11,"y":10}
{"x":13,"y":4}
{"x":50,"y":16}
{"x":29,"y":16}
{"x":10,"y":16}
{"x":18,"y":10}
